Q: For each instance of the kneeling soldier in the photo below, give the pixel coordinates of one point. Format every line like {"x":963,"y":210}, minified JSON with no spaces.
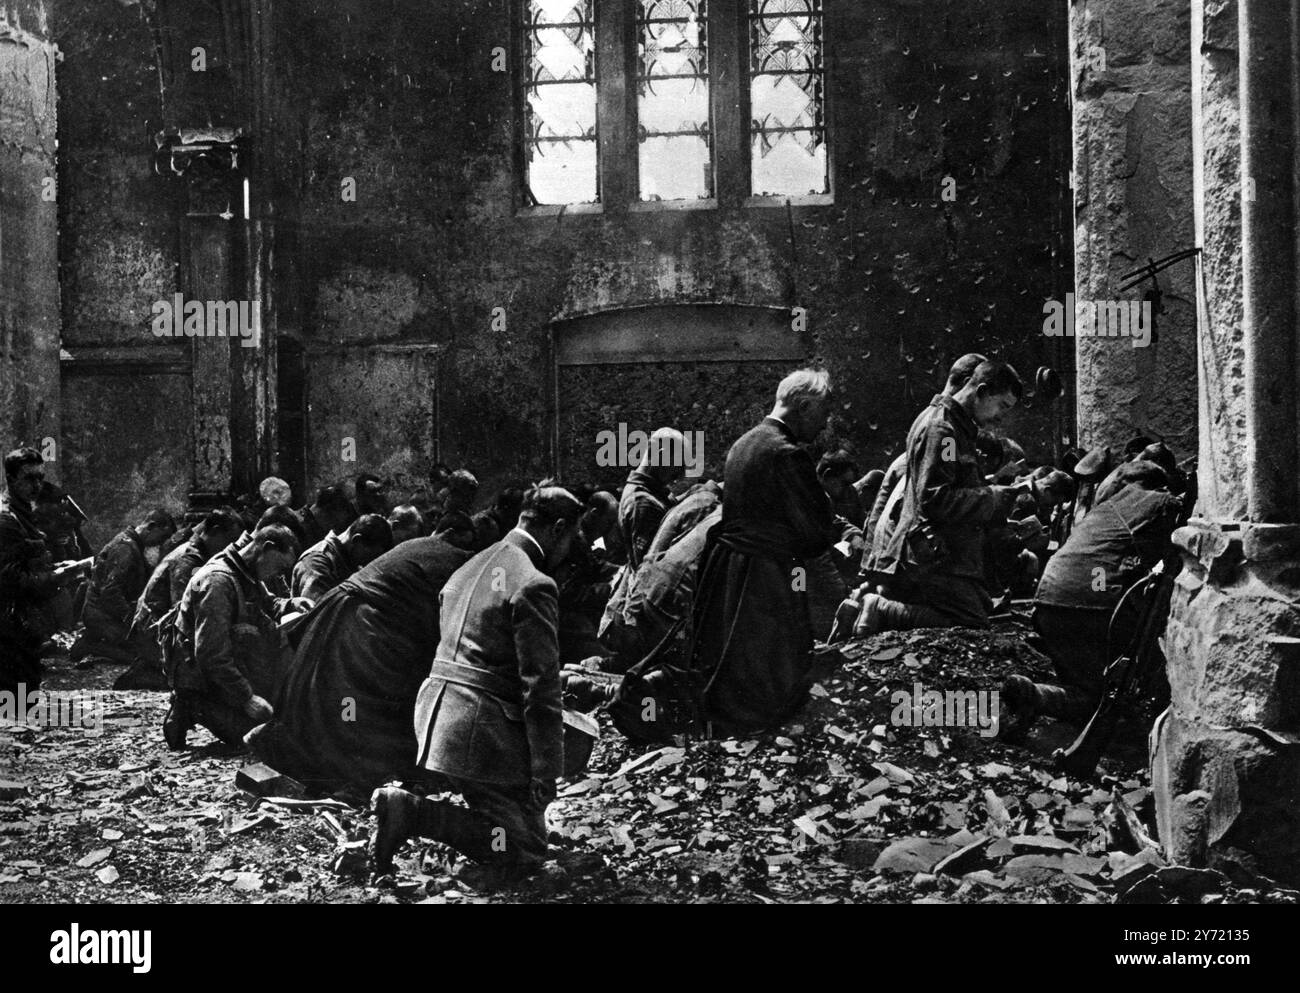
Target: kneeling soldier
{"x":225,"y":643}
{"x":489,"y":718}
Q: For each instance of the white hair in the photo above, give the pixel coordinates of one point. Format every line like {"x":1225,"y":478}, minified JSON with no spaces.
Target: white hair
{"x":803,"y":386}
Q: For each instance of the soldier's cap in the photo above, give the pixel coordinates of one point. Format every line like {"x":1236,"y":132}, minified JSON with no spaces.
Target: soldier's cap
{"x":1070,"y":458}
{"x":1136,"y":444}
{"x":1094,"y":465}
{"x":1160,"y":453}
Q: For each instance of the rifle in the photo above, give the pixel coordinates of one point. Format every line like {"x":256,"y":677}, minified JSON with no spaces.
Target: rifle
{"x":1132,"y":676}
{"x":1155,"y":296}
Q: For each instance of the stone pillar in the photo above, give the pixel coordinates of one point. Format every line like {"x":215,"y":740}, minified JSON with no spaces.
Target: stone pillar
{"x":234,"y":381}
{"x":29,"y":234}
{"x":1217,"y":185}
{"x":1226,"y":757}
{"x":1271,"y":310}
{"x":1130,"y":75}
{"x":209,"y":247}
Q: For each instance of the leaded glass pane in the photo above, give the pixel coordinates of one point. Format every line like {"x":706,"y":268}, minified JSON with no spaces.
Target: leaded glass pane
{"x":676,"y":148}
{"x":560,"y":101}
{"x":787,"y":102}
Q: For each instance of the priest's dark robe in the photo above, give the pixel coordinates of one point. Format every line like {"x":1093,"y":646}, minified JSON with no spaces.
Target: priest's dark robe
{"x":344,"y":712}
{"x":753,"y":623}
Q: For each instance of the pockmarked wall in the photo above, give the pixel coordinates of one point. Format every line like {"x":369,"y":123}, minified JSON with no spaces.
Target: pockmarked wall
{"x":949,"y":137}
{"x":896,"y":280}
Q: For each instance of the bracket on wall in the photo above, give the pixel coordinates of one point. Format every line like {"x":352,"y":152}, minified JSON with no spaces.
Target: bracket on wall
{"x":210,"y":160}
{"x":1155,"y":296}
{"x":178,"y":150}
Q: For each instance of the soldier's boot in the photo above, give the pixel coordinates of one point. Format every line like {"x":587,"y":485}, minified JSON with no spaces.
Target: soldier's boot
{"x":869,"y":620}
{"x":586,"y":690}
{"x":401,"y":815}
{"x":1019,"y":704}
{"x":176,"y":724}
{"x":1066,"y":703}
{"x":845,"y":616}
{"x":494,"y":863}
{"x":849,"y":617}
{"x":468,"y":832}
{"x":397,"y":817}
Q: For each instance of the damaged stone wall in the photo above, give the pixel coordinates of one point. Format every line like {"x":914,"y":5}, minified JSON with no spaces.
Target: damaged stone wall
{"x":126,"y":394}
{"x":896,"y":281}
{"x":1226,"y":758}
{"x":1131,"y":67}
{"x":400,"y":96}
{"x":29,"y":292}
{"x":1224,"y":767}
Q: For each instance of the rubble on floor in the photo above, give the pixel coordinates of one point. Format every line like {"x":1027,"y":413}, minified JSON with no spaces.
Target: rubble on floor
{"x":853,"y":802}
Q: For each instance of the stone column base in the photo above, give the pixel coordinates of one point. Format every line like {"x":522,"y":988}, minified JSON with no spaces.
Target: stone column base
{"x":1225,"y":761}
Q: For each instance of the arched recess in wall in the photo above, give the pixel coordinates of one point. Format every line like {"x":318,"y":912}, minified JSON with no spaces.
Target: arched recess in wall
{"x":711,"y":368}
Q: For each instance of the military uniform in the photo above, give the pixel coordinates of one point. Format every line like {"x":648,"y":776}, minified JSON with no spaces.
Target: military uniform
{"x":313,"y":530}
{"x":60,"y":519}
{"x":489,"y":718}
{"x":163,"y":591}
{"x":167,"y":584}
{"x":657,"y":598}
{"x":641,"y":510}
{"x":1112,"y":548}
{"x":932,"y":566}
{"x":27,"y":583}
{"x":678,"y":522}
{"x":321,"y":568}
{"x":229,"y":648}
{"x":884,"y":513}
{"x":119,"y":577}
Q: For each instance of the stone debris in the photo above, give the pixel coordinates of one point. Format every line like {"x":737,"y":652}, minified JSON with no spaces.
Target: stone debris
{"x":841,"y":805}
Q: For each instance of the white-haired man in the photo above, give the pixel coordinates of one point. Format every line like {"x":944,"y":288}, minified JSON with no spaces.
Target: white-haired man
{"x":753,"y":628}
